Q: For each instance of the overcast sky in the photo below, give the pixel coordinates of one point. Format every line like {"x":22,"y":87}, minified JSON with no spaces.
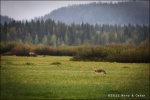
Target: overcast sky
{"x":20,"y":10}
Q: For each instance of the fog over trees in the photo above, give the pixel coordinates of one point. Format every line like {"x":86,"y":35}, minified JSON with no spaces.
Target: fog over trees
{"x":133,"y":12}
{"x":94,"y":23}
{"x":4,"y":19}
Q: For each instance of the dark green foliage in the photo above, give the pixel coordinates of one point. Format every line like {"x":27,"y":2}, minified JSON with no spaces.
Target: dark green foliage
{"x":10,"y":63}
{"x":56,"y":63}
{"x":59,"y":34}
{"x":28,"y":63}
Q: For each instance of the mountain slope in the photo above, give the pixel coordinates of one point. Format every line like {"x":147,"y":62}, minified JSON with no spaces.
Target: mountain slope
{"x":103,"y":13}
{"x":5,"y":19}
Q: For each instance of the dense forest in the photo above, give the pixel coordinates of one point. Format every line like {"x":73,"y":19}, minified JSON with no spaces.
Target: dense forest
{"x":124,"y":39}
{"x":132,"y":11}
{"x":59,"y":34}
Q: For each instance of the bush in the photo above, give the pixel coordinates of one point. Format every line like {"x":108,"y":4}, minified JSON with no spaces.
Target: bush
{"x":6,"y":47}
{"x":28,"y":63}
{"x":111,"y":52}
{"x":21,"y":50}
{"x":88,"y":53}
{"x":60,"y":51}
{"x":45,"y":50}
{"x":130,"y":55}
{"x":56,"y":63}
{"x":66,"y":51}
{"x":10,"y":63}
{"x":114,"y":53}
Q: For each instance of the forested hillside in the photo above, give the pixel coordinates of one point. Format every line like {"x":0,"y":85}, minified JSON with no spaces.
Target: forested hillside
{"x":59,"y":34}
{"x":135,"y":12}
{"x":91,"y":32}
{"x":4,"y":19}
{"x":95,"y":24}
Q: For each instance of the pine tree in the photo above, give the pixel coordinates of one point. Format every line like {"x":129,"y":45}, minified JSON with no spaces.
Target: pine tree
{"x":48,"y":38}
{"x":36,"y":40}
{"x":78,"y":41}
{"x":53,"y":40}
{"x":8,"y":37}
{"x":28,"y":38}
{"x":44,"y":40}
{"x":66,"y":39}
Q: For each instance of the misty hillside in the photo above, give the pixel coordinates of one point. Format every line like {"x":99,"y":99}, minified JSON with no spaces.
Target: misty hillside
{"x":5,"y":19}
{"x":103,"y":13}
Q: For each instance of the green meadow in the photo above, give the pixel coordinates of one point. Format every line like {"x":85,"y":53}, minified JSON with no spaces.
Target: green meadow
{"x":56,"y":77}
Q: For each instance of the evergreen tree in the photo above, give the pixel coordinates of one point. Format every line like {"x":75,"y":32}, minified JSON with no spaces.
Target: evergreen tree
{"x":59,"y":41}
{"x":48,"y":38}
{"x":36,"y":40}
{"x":28,"y":38}
{"x":55,"y":34}
{"x":44,"y":40}
{"x":8,"y":37}
{"x":53,"y":40}
{"x":104,"y":38}
{"x":78,"y":41}
{"x":66,"y":39}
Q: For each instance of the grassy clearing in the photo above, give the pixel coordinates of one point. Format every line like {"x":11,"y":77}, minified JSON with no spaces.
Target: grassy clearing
{"x":39,"y":78}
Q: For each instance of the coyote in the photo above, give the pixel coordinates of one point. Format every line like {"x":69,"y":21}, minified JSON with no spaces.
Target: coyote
{"x":99,"y":71}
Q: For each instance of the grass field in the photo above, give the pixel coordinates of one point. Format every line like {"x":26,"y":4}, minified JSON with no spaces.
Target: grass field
{"x":56,"y":77}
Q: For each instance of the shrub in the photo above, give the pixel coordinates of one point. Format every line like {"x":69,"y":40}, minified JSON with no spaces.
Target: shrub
{"x":96,"y":53}
{"x":114,"y":53}
{"x":66,"y":51}
{"x":21,"y":50}
{"x":6,"y":47}
{"x":10,"y":63}
{"x":56,"y":63}
{"x":28,"y":63}
{"x":45,"y":50}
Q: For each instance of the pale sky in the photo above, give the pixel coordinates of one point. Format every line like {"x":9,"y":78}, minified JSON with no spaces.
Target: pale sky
{"x":20,"y":10}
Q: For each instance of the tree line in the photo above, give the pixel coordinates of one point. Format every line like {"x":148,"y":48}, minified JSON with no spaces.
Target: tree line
{"x":58,"y":33}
